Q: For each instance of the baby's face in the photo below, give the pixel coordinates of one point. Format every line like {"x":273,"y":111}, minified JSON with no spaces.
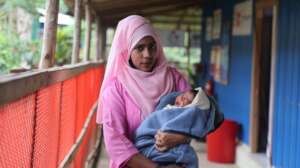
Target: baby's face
{"x":184,"y":99}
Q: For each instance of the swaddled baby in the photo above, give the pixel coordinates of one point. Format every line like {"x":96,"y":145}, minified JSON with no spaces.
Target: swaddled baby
{"x":195,"y":97}
{"x":191,"y":113}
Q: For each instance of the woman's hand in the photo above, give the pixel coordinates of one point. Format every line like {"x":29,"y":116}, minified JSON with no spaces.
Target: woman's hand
{"x":165,"y":140}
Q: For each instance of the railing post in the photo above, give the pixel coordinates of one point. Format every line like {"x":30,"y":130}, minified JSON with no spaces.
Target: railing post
{"x":100,"y":40}
{"x":76,"y":34}
{"x":188,"y":48}
{"x":88,"y":19}
{"x":49,"y":36}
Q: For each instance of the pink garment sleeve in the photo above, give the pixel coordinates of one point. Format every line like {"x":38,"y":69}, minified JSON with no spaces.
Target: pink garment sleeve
{"x":120,"y":149}
{"x":181,"y":83}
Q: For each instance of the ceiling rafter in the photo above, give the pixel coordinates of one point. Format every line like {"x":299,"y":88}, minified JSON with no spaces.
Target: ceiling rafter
{"x":181,"y":12}
{"x":108,"y":6}
{"x":149,"y":12}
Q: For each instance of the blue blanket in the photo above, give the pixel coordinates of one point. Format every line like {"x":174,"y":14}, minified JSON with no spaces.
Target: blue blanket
{"x":189,"y":121}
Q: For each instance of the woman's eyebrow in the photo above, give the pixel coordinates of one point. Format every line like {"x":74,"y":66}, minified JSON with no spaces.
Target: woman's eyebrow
{"x":152,"y":43}
{"x":144,"y":45}
{"x":139,"y":45}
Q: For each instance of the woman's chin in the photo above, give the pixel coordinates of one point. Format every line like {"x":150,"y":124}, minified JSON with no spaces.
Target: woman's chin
{"x":146,"y":68}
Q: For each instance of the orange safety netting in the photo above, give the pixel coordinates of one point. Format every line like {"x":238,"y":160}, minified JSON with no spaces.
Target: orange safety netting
{"x":67,"y":118}
{"x":16,"y":132}
{"x":38,"y":130}
{"x":47,"y":126}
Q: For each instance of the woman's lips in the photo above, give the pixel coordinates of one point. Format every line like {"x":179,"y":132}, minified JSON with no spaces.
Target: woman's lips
{"x":146,"y":63}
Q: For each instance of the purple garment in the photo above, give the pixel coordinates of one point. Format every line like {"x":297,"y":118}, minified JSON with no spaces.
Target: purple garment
{"x":121,"y":118}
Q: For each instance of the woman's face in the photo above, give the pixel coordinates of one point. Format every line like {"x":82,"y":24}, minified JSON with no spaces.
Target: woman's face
{"x":143,"y":55}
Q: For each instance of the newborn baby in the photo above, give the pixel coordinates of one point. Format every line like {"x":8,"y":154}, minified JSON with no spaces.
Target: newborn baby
{"x":195,"y":97}
{"x":185,"y":98}
{"x":190,"y":113}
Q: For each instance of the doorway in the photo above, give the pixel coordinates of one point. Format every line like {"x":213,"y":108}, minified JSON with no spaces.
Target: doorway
{"x":261,"y":77}
{"x":264,"y":80}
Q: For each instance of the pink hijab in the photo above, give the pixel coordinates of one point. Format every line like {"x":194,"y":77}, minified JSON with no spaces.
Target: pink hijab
{"x":145,"y":88}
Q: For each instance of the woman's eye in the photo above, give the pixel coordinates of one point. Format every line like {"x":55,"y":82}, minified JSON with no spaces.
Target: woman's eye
{"x":140,"y":48}
{"x":152,"y":47}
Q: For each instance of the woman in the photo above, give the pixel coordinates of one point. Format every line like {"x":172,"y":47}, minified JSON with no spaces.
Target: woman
{"x":136,"y":76}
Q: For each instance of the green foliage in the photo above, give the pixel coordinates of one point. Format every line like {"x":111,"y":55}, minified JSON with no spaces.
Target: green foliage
{"x":64,"y":45}
{"x":29,"y":5}
{"x":20,"y":53}
{"x":16,"y":53}
{"x":63,"y":8}
{"x":7,"y":50}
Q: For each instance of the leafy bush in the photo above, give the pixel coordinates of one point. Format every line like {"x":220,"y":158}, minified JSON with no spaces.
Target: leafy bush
{"x":64,"y":45}
{"x":16,"y":53}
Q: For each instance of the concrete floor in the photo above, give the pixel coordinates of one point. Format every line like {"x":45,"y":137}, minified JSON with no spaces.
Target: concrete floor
{"x":199,"y":147}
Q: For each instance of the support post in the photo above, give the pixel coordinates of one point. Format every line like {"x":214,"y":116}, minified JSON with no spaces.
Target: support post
{"x":76,"y":34}
{"x":49,"y":36}
{"x":188,"y":48}
{"x":103,"y":44}
{"x":88,"y":19}
{"x":100,"y":40}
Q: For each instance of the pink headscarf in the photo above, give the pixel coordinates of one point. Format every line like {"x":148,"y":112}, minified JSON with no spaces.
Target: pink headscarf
{"x":145,"y":88}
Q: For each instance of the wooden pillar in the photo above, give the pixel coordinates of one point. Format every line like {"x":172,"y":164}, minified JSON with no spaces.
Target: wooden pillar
{"x":88,"y":19}
{"x":100,"y":40}
{"x":97,"y":44}
{"x":103,"y":44}
{"x":76,"y":34}
{"x":188,"y":48}
{"x":49,"y":36}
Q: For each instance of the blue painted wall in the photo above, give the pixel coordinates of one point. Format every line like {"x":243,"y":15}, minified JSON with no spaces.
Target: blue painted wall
{"x":286,"y":127}
{"x":233,"y":98}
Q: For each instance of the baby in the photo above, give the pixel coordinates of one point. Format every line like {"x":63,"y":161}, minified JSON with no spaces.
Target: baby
{"x":194,"y":97}
{"x":190,"y":113}
{"x":185,"y":98}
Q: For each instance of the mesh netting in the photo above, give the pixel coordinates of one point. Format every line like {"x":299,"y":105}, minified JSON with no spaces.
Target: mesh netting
{"x":67,"y":118}
{"x":39,"y":130}
{"x":47,"y":127}
{"x":16,"y":133}
{"x":85,"y":101}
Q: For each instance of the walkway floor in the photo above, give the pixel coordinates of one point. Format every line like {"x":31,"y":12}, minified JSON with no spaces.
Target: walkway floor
{"x":202,"y":155}
{"x":199,"y":147}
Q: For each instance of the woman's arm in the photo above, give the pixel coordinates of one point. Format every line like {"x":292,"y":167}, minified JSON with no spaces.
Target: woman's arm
{"x":138,"y":161}
{"x":119,"y":148}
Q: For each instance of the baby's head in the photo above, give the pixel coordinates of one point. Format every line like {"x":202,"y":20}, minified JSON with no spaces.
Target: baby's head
{"x":185,"y":98}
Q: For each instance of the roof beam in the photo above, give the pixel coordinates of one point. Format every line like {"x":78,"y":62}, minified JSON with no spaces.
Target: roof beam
{"x":114,"y":18}
{"x":136,"y":5}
